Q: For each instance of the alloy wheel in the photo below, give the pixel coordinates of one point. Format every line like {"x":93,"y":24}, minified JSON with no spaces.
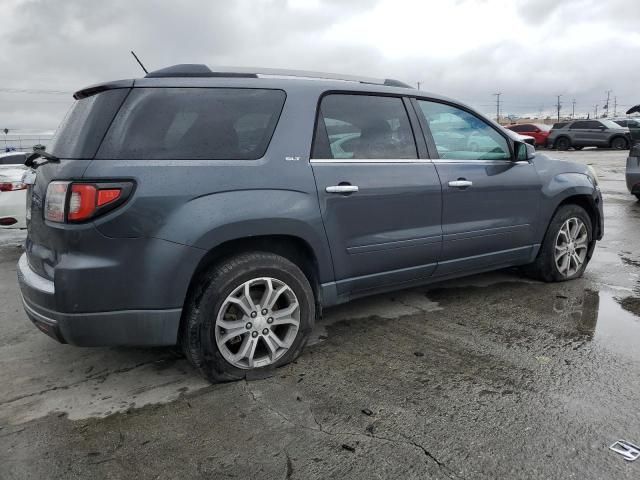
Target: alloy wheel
{"x":257,"y":323}
{"x":572,"y":243}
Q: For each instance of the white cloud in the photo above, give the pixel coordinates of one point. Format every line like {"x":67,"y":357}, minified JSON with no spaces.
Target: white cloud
{"x":530,"y":50}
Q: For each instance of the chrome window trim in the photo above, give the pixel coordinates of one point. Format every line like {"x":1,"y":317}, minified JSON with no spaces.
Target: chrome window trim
{"x":482,"y":162}
{"x":370,"y":160}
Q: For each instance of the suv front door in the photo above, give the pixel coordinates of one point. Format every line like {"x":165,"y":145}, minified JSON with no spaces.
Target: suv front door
{"x":489,"y":201}
{"x":379,"y":195}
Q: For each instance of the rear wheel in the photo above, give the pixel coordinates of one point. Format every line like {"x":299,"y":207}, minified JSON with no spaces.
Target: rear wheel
{"x":619,"y":143}
{"x":563,"y":143}
{"x":250,"y":314}
{"x":564,"y":253}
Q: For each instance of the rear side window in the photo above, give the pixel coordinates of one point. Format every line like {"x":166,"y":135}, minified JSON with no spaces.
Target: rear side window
{"x":17,"y":159}
{"x":589,"y":124}
{"x":80,"y":133}
{"x":363,"y":127}
{"x":194,"y":123}
{"x":518,"y":128}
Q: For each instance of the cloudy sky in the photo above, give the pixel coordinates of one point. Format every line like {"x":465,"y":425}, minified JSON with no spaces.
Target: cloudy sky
{"x":530,"y":50}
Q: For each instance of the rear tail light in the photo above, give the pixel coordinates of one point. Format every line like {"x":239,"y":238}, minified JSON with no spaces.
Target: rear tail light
{"x":11,"y":186}
{"x":79,"y":201}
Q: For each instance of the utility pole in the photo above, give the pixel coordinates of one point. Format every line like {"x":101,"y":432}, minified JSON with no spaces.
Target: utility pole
{"x":615,"y":106}
{"x":418,"y":85}
{"x":596,"y":106}
{"x":497,"y":95}
{"x":573,"y":109}
{"x":558,"y":105}
{"x":606,"y":107}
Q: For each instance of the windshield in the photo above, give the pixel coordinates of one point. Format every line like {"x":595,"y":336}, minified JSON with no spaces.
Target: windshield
{"x":610,"y":124}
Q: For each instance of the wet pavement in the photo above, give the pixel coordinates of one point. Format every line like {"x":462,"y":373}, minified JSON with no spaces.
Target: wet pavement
{"x":492,"y":376}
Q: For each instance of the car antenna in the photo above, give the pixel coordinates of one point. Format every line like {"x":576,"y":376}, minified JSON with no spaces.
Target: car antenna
{"x":139,"y":62}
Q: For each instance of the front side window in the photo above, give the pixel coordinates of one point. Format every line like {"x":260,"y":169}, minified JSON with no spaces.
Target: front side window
{"x":460,"y":135}
{"x":363,"y":127}
{"x":194,"y":123}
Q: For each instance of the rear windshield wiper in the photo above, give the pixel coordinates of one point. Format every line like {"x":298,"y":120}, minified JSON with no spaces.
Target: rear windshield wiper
{"x":40,"y":153}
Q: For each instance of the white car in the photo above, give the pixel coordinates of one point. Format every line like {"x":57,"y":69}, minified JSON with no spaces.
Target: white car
{"x":13,"y":193}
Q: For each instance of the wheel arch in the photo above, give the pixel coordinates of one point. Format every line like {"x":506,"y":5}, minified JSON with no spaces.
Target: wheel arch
{"x":618,"y":135}
{"x":559,"y":137}
{"x":293,"y":248}
{"x":588,"y":203}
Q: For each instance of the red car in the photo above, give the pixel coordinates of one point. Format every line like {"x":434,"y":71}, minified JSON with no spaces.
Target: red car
{"x":538,"y":131}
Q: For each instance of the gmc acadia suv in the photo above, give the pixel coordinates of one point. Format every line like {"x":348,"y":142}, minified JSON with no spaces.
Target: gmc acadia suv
{"x":223,"y":210}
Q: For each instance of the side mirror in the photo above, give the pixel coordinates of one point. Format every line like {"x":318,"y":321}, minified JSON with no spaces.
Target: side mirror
{"x":524,"y":152}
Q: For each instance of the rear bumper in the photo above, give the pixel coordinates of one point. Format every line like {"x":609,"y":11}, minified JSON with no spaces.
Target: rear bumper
{"x":110,"y":328}
{"x":632,"y":175}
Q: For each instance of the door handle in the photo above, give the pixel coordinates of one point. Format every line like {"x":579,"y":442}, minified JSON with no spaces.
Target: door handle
{"x":460,"y":183}
{"x":342,"y":189}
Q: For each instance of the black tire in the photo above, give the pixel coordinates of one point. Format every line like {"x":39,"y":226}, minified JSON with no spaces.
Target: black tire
{"x":577,"y":148}
{"x":198,"y":327}
{"x":619,"y":143}
{"x":544,"y":268}
{"x":563,"y":143}
{"x":637,"y":196}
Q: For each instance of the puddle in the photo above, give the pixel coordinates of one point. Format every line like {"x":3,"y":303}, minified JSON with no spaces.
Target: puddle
{"x":607,"y":319}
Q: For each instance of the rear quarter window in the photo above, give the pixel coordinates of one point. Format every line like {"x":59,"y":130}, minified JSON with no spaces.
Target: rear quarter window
{"x":194,"y":123}
{"x":83,"y":128}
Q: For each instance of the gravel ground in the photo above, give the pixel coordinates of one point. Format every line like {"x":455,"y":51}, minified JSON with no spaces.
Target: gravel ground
{"x":492,"y":376}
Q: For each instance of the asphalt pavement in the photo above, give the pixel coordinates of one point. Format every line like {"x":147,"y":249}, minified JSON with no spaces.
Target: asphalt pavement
{"x":491,"y":376}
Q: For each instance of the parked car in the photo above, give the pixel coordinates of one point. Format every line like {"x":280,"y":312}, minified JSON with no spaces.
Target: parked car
{"x":224,"y":210}
{"x":627,"y":122}
{"x":589,"y":133}
{"x":539,"y":132}
{"x":13,"y":197}
{"x":13,"y":158}
{"x":632,"y":173}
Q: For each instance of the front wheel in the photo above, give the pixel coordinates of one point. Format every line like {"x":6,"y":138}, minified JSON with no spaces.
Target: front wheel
{"x":565,"y":250}
{"x":250,"y":313}
{"x":619,"y":143}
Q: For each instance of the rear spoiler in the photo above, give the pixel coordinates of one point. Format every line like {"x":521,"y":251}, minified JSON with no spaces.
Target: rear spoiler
{"x":635,"y":109}
{"x":101,"y":87}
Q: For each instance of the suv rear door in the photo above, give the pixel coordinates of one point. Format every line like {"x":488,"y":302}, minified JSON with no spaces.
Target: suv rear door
{"x":489,"y":201}
{"x":379,"y":195}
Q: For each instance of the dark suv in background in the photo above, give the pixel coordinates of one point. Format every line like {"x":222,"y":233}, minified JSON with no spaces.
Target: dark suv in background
{"x":223,"y":210}
{"x":589,"y":133}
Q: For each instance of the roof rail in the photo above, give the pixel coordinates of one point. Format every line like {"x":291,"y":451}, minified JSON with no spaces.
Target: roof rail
{"x":199,"y":70}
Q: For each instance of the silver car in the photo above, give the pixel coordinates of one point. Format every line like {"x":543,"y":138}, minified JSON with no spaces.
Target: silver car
{"x":589,"y":133}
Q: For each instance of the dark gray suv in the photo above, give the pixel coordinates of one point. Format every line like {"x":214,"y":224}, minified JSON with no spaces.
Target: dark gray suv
{"x":222,"y":211}
{"x":589,"y":133}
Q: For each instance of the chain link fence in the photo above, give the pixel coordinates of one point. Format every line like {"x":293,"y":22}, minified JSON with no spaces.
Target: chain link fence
{"x":23,"y":142}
